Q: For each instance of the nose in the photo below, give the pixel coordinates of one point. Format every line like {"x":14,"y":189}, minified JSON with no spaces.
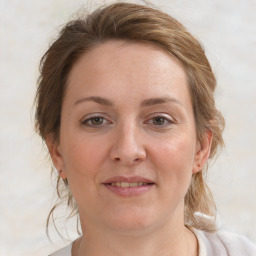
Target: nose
{"x":127,"y":148}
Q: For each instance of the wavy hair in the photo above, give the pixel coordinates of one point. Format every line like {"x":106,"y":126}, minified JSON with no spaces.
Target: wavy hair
{"x":135,"y":23}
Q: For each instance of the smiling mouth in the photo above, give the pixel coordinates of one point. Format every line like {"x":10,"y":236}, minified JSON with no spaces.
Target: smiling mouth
{"x":129,"y":189}
{"x":129,"y":184}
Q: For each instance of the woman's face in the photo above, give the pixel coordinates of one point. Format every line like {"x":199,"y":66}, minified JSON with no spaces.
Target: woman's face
{"x":128,"y":143}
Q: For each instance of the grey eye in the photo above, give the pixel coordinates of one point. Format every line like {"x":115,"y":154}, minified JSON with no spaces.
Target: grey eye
{"x":96,"y":121}
{"x":158,"y":120}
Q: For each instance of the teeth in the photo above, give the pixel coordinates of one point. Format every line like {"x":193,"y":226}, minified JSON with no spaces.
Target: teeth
{"x":127,"y":184}
{"x":124,"y":184}
{"x":134,"y":184}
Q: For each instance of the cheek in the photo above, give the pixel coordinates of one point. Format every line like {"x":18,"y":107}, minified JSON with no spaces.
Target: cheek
{"x":174,"y":159}
{"x":83,"y":157}
{"x":83,"y":164}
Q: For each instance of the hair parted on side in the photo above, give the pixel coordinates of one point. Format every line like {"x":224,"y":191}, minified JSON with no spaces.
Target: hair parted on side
{"x":135,"y":23}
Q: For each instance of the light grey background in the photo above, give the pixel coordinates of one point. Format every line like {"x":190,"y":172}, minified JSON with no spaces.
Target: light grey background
{"x":228,"y":31}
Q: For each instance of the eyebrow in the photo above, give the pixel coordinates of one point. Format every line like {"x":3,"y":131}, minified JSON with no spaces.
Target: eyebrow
{"x":99,"y":100}
{"x":155,"y":101}
{"x":144,"y":103}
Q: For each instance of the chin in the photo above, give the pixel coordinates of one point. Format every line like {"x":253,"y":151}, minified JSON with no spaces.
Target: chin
{"x":131,"y":222}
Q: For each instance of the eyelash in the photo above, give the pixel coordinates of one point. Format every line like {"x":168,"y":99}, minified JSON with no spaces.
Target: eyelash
{"x":166,"y":121}
{"x":88,"y":122}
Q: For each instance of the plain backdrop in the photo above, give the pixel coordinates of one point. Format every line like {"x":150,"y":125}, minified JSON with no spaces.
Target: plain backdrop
{"x":227,"y":30}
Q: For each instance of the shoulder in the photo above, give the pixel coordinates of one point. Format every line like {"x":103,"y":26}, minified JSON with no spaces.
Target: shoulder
{"x":237,"y":243}
{"x":224,"y":243}
{"x":66,"y":251}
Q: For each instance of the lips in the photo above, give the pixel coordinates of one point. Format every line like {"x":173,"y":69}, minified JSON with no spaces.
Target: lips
{"x":128,"y":186}
{"x":133,"y":179}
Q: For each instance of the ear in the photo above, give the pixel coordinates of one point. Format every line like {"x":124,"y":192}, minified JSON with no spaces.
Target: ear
{"x":57,"y":159}
{"x":202,"y":152}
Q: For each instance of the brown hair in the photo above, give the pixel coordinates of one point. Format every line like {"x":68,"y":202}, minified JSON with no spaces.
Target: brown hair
{"x":137,"y":23}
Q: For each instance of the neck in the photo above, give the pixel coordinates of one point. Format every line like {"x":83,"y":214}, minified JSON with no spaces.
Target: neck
{"x":168,"y":240}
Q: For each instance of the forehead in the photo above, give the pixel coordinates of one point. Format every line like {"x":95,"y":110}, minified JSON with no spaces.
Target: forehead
{"x":126,"y":68}
{"x":133,"y":53}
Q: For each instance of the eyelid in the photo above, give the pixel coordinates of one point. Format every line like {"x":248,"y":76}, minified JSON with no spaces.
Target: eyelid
{"x":167,"y":117}
{"x":84,"y":120}
{"x":160,"y":114}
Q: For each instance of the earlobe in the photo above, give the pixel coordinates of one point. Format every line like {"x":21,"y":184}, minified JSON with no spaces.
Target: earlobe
{"x":57,"y":159}
{"x":202,"y":152}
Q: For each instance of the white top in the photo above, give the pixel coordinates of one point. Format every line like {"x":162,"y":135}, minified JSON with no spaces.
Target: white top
{"x":221,"y":243}
{"x":66,"y":251}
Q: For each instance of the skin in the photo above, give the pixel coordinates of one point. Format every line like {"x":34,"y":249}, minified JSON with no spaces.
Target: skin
{"x":155,"y":140}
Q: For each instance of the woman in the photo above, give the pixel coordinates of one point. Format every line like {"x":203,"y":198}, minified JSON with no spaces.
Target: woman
{"x":125,"y":105}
